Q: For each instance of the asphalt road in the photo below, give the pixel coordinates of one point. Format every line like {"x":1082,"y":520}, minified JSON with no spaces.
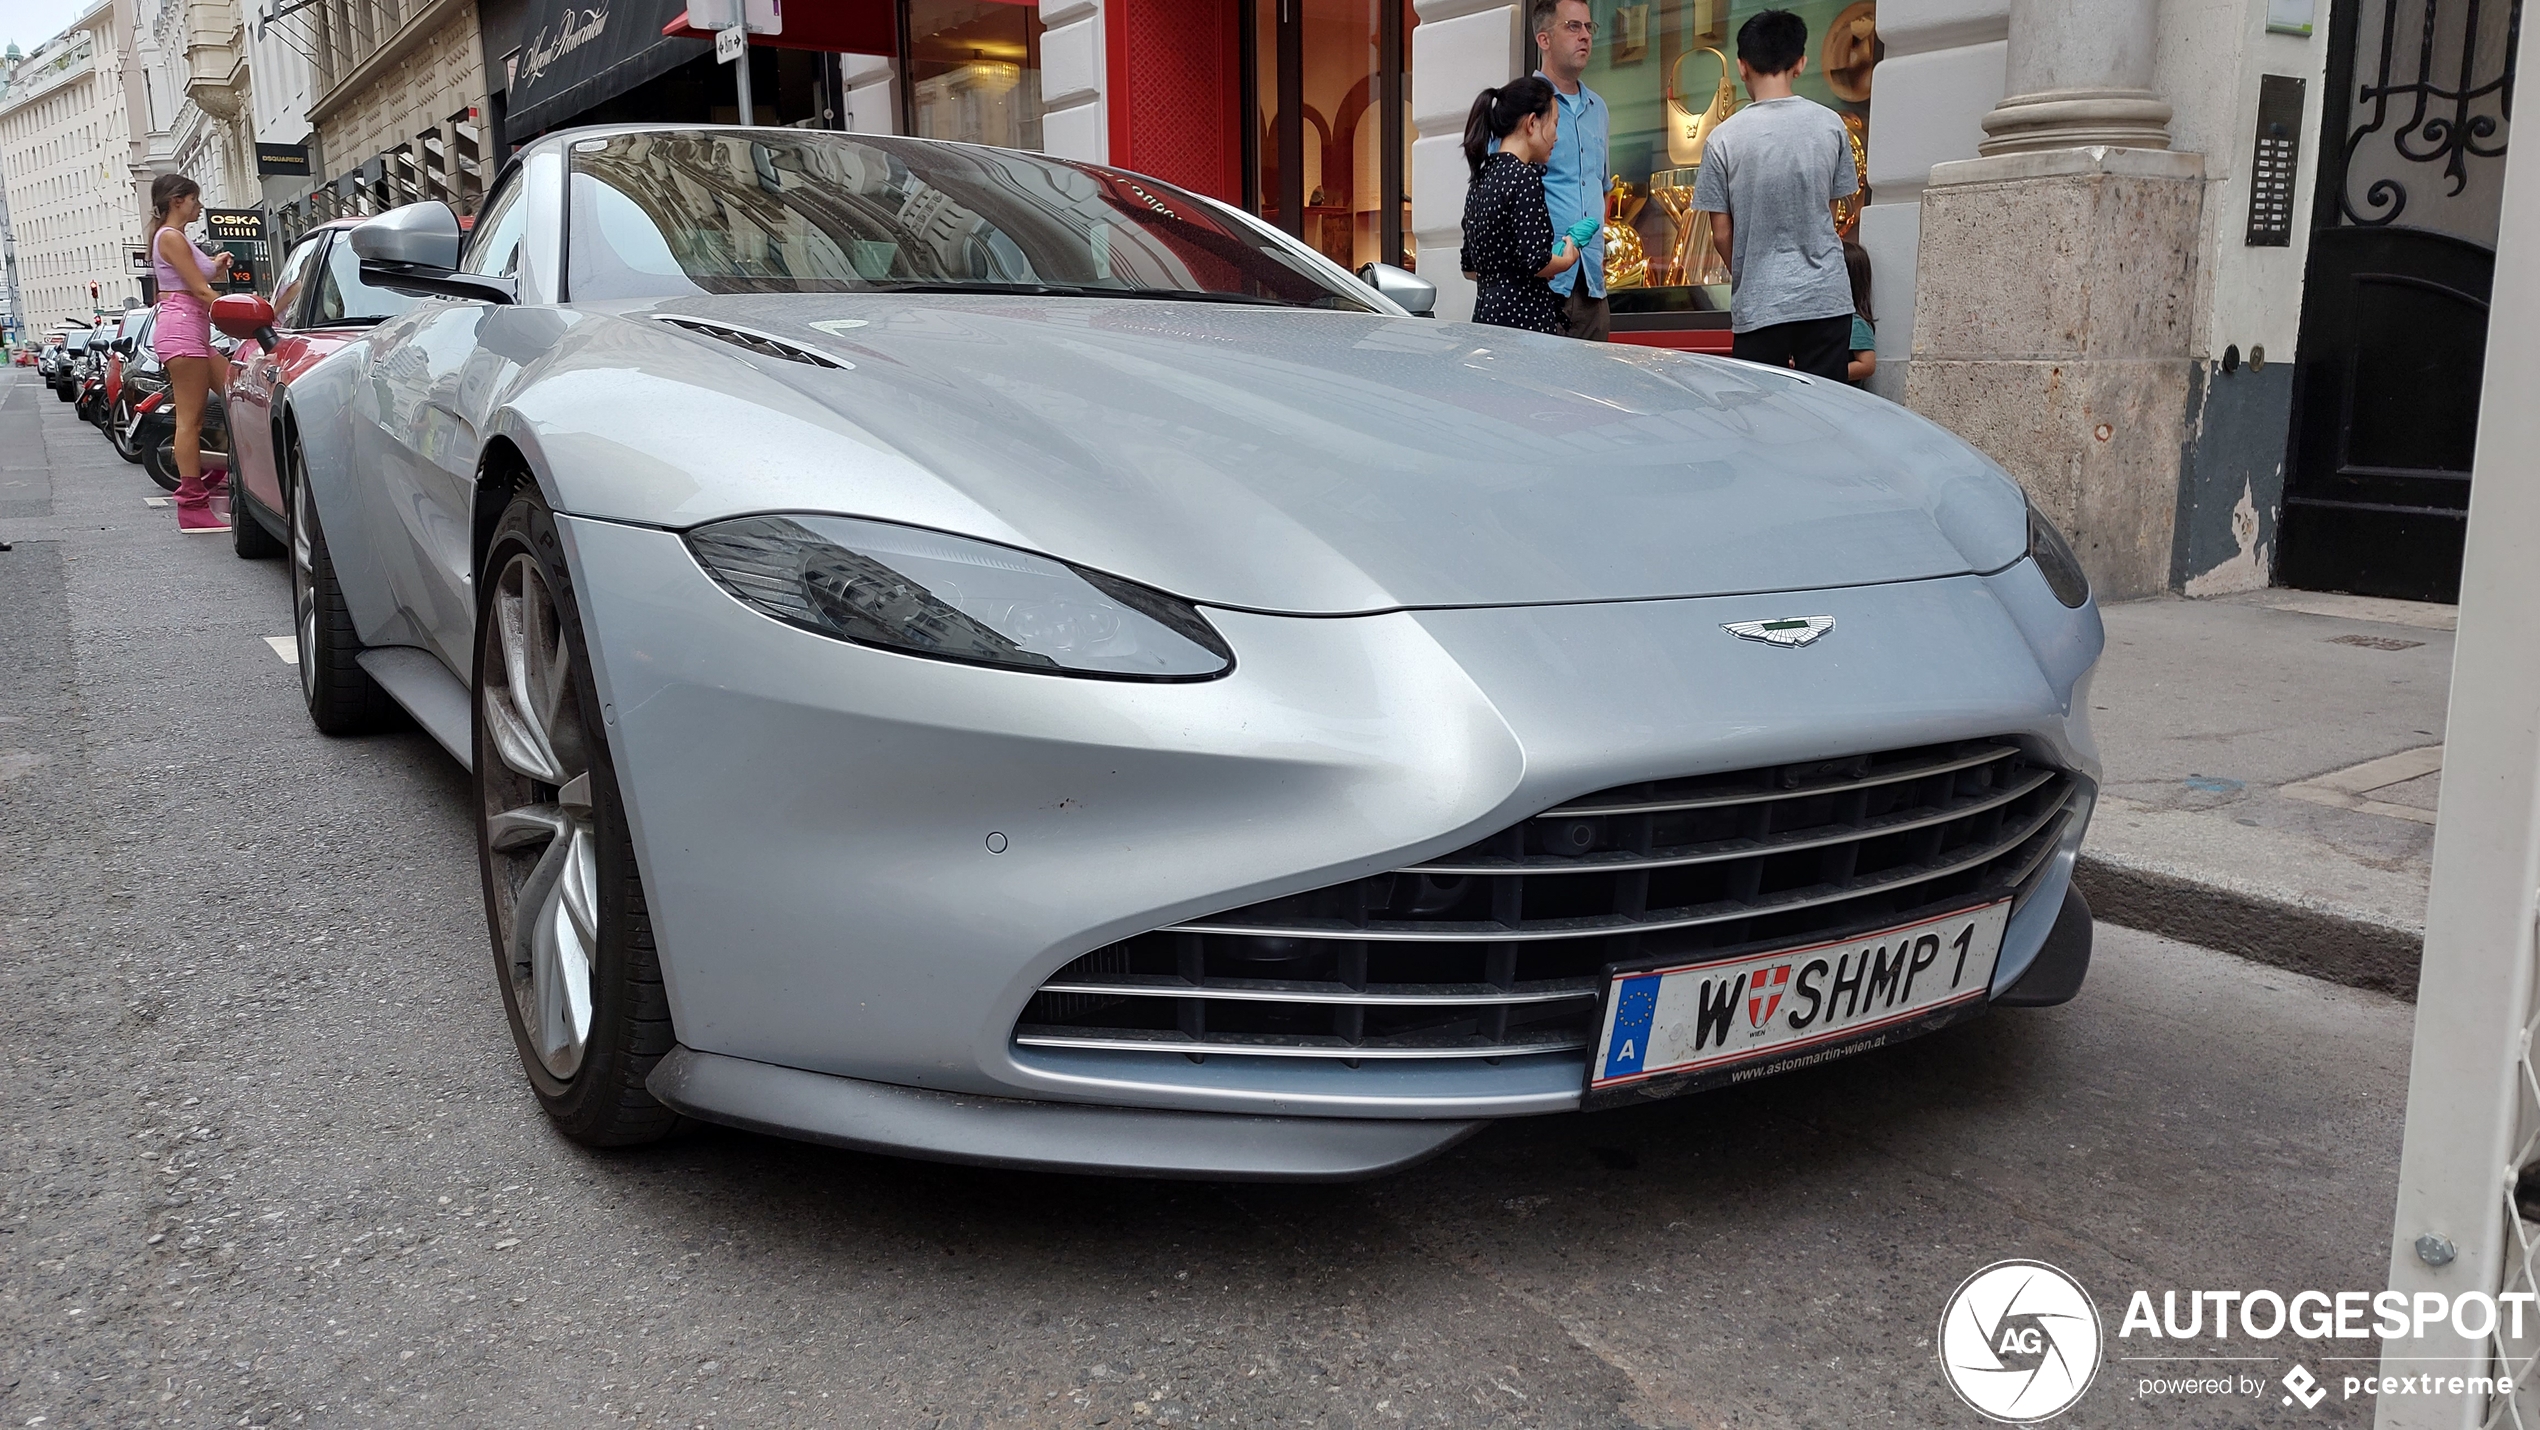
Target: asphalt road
{"x":266,"y":1156}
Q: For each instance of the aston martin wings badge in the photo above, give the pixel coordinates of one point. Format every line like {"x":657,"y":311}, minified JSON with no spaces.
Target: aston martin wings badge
{"x":1788,"y":631}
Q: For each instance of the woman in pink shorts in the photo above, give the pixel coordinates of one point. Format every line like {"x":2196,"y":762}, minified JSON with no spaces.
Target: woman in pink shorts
{"x":183,"y":336}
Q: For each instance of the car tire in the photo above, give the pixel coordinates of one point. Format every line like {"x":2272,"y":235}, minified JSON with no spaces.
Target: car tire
{"x":66,"y":392}
{"x":564,"y":903}
{"x":248,"y":535}
{"x":118,"y":424}
{"x":159,"y":460}
{"x":342,"y":698}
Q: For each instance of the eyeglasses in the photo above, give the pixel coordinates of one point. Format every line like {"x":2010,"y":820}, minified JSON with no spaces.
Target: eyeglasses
{"x":1576,"y":27}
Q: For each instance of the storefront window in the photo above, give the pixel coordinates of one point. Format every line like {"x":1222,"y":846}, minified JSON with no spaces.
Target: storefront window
{"x":1668,"y":72}
{"x":974,"y":71}
{"x":1321,"y":90}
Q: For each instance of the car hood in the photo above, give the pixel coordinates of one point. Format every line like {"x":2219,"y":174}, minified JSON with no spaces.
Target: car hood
{"x":1318,"y":462}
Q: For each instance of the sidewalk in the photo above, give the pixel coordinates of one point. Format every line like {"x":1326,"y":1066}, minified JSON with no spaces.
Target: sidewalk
{"x":2272,"y":762}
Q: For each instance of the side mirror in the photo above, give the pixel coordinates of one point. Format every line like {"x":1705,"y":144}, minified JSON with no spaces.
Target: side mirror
{"x":1417,"y":295}
{"x":424,"y":235}
{"x":243,"y":315}
{"x":415,"y":249}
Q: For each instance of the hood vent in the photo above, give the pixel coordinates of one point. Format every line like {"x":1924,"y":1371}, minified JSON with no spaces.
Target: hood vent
{"x":752,"y":340}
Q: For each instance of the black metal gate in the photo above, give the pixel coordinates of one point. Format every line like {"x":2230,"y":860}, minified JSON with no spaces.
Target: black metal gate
{"x":2394,"y":300}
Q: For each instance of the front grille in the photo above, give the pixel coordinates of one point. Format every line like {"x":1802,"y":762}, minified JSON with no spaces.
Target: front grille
{"x":1494,"y":951}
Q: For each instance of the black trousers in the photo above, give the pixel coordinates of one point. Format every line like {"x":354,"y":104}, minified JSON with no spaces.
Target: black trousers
{"x":1819,"y":346}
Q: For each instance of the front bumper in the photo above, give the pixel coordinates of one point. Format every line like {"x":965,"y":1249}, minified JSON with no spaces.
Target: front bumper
{"x":814,"y":820}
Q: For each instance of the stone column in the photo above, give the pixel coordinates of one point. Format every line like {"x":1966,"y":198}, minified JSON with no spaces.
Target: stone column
{"x":2078,"y":73}
{"x":1460,"y":48}
{"x":2055,"y":288}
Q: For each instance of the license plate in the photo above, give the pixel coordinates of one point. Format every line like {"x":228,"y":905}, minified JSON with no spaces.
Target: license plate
{"x":1681,"y":1027}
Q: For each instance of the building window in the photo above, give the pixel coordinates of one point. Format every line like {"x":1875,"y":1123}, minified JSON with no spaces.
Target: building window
{"x":1329,"y":146}
{"x":1667,"y":70}
{"x":974,"y":71}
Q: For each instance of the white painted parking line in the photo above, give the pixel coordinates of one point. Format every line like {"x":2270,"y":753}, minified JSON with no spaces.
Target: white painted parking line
{"x":154,"y":501}
{"x":287,"y":647}
{"x":2348,"y":788}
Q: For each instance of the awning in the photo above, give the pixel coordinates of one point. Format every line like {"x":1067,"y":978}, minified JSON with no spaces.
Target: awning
{"x":846,"y":27}
{"x":587,"y":54}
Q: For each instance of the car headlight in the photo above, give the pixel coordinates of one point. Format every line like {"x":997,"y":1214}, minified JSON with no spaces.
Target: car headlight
{"x":927,"y":593}
{"x":2056,"y":562}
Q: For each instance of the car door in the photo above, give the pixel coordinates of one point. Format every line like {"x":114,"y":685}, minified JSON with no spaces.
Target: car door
{"x":256,"y":374}
{"x":425,"y":444}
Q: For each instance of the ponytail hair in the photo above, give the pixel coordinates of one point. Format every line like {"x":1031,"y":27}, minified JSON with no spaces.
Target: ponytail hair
{"x":1497,"y":111}
{"x":165,"y":191}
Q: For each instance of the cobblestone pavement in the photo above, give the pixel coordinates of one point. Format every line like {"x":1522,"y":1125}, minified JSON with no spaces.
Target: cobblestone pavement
{"x":266,"y":1156}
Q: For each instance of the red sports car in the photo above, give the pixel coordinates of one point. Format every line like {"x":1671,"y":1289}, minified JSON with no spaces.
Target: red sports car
{"x":320,"y":303}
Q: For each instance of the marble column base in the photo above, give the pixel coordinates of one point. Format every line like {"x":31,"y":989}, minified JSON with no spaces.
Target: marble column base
{"x":2075,"y":119}
{"x":2053,"y":304}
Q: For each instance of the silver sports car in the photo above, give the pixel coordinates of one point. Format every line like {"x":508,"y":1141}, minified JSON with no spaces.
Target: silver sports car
{"x":1000,"y":659}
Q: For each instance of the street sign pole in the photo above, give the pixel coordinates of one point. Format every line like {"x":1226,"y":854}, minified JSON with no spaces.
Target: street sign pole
{"x":732,"y":47}
{"x":733,"y":22}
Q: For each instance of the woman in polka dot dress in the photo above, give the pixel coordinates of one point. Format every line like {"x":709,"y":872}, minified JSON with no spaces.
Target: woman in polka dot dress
{"x":1509,"y":245}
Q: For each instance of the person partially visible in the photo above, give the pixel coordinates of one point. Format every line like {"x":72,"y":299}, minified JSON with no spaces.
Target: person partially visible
{"x":1510,"y":248}
{"x":1770,"y":177}
{"x":183,"y":338}
{"x":1865,"y":332}
{"x":1574,"y":171}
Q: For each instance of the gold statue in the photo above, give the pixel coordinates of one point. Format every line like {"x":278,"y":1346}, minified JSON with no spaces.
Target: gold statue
{"x":1695,"y":259}
{"x":1626,"y":266}
{"x":1685,"y":129}
{"x":1847,"y":210}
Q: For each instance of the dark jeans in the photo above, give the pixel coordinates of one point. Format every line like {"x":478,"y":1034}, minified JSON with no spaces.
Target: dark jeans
{"x":1592,"y":318}
{"x":1820,"y":346}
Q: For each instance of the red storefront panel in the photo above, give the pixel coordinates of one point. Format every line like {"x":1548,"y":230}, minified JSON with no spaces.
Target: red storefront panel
{"x":1174,"y":71}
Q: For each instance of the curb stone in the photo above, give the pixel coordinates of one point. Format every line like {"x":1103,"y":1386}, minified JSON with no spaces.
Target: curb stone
{"x":2340,"y":948}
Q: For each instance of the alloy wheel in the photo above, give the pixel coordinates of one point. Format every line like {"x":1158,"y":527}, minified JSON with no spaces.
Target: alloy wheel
{"x":303,"y":583}
{"x":539,"y":821}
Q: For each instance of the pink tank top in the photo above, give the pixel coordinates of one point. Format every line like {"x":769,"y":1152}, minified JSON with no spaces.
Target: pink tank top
{"x":171,"y":283}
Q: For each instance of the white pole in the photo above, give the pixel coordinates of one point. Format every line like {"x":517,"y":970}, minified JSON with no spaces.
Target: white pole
{"x":2471,"y":1120}
{"x":741,"y":69}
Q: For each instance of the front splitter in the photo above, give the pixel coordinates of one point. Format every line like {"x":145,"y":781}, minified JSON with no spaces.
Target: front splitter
{"x":1040,"y":1136}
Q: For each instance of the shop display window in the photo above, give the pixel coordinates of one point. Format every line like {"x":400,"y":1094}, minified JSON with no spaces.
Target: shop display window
{"x":1667,"y":70}
{"x":1326,"y":164}
{"x":974,"y":71}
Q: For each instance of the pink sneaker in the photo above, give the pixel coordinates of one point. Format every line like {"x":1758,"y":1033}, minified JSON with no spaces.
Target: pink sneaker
{"x":197,"y":518}
{"x":216,"y":480}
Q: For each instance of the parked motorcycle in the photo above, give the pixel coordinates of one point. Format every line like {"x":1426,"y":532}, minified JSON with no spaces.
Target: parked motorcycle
{"x":154,"y":433}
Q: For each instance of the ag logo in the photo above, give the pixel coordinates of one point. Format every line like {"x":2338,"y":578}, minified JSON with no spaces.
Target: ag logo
{"x":2019,"y":1342}
{"x":1789,"y":631}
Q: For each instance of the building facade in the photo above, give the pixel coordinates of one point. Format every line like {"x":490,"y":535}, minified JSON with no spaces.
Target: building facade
{"x":397,"y":107}
{"x":66,"y":147}
{"x":2208,"y":276}
{"x":200,"y":96}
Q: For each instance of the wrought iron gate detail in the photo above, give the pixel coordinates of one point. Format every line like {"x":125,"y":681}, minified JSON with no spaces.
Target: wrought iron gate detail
{"x":2430,"y":136}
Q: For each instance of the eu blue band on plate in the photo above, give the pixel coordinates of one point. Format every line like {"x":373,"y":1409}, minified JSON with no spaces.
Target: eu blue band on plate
{"x":1635,"y":1005}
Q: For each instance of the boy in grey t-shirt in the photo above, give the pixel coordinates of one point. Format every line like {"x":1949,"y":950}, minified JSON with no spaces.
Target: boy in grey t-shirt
{"x":1770,"y":176}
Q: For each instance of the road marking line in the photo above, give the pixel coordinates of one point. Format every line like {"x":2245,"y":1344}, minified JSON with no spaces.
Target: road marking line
{"x":287,"y":647}
{"x":154,"y":501}
{"x":2346,"y":788}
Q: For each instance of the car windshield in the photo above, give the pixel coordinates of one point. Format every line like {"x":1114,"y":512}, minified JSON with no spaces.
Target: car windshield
{"x":664,"y":214}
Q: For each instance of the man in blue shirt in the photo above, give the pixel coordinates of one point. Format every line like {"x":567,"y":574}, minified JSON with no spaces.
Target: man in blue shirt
{"x":1575,"y":176}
